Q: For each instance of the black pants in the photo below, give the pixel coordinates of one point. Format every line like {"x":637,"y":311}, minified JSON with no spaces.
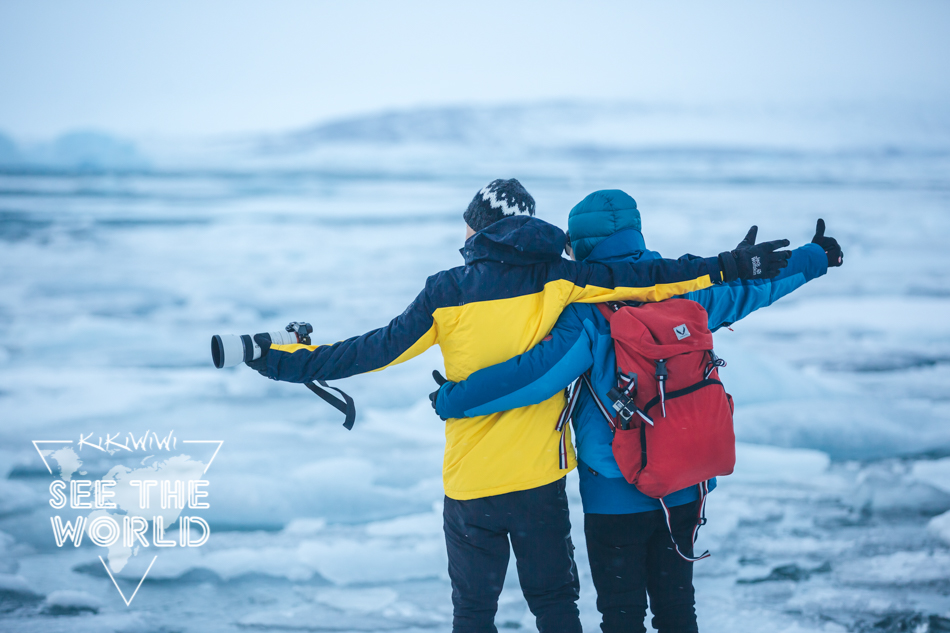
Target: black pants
{"x":631,"y":555}
{"x":477,"y":533}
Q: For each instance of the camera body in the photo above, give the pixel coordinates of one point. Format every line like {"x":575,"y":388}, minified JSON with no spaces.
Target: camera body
{"x":228,"y":350}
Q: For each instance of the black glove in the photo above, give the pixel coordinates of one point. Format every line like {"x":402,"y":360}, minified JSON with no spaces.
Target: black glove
{"x":754,"y":261}
{"x":830,"y":244}
{"x":434,"y":396}
{"x":260,"y":365}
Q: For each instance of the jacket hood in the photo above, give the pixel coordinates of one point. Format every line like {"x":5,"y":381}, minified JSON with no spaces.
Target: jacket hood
{"x":623,"y":246}
{"x":517,"y":240}
{"x":598,"y":216}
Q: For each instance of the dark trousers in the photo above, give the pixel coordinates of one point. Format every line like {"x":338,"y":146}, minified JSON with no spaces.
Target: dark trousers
{"x":477,"y":533}
{"x":631,"y":555}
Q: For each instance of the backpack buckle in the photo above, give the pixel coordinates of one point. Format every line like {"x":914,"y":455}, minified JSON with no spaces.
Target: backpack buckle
{"x":622,"y":401}
{"x":714,"y":363}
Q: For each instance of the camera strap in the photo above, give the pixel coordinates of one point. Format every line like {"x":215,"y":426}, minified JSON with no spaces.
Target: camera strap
{"x":346,"y":406}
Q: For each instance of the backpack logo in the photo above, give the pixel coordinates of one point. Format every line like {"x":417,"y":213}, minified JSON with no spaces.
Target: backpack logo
{"x":681,"y":332}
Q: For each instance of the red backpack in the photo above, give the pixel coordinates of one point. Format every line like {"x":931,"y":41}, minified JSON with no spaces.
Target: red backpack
{"x":671,"y":416}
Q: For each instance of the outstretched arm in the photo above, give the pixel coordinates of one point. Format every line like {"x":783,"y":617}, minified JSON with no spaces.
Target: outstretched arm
{"x":406,"y":336}
{"x":661,"y":279}
{"x":532,"y":377}
{"x":656,"y":280}
{"x":728,"y":303}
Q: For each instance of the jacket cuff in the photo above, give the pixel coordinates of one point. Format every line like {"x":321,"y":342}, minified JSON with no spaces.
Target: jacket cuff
{"x":728,"y":267}
{"x":818,"y":261}
{"x":442,"y":407}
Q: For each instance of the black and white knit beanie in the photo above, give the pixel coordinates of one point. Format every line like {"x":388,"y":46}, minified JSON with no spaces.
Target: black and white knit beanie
{"x":496,"y":200}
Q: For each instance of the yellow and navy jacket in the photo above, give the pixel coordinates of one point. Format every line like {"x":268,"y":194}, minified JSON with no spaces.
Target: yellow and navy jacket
{"x":581,"y":341}
{"x":501,"y":303}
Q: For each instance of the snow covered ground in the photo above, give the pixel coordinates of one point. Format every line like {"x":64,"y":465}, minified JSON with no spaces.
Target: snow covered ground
{"x":115,"y":275}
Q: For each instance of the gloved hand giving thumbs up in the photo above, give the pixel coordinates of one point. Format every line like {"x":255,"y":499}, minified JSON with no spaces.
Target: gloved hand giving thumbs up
{"x":830,"y":244}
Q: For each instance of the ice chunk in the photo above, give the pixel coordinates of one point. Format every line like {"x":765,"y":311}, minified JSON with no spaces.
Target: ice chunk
{"x":891,"y":496}
{"x":16,"y":497}
{"x":348,"y":562}
{"x":844,"y":427}
{"x":429,"y":524}
{"x":69,"y":602}
{"x":885,"y":488}
{"x":899,"y":568}
{"x":8,"y":563}
{"x":757,"y":462}
{"x":792,"y":572}
{"x":939,"y":526}
{"x":752,"y":377}
{"x":361,"y":600}
{"x":342,"y":472}
{"x":10,"y":583}
{"x":936,"y":473}
{"x":305,"y":527}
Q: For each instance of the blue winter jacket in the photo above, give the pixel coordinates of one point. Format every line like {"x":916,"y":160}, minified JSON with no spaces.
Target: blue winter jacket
{"x":580,"y":341}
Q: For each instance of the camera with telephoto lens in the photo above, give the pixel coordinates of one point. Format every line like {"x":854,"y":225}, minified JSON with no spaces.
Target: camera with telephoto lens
{"x":228,"y":350}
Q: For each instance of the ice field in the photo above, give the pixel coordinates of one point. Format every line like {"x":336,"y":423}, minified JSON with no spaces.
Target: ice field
{"x":121,"y":258}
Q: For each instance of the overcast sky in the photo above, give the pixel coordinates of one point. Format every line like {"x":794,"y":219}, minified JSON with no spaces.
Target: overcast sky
{"x":218,"y":67}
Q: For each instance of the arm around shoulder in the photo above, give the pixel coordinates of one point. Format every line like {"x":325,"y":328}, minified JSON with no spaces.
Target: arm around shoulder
{"x":653,"y":280}
{"x":529,"y":378}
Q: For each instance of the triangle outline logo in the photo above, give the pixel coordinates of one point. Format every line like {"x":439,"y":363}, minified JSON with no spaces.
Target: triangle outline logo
{"x":128,"y":601}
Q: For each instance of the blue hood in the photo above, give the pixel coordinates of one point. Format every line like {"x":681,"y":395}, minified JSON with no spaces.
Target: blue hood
{"x":518,"y":240}
{"x":623,"y":246}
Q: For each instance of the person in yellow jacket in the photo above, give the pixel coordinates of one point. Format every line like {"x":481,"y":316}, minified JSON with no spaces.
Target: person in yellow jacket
{"x":504,"y":473}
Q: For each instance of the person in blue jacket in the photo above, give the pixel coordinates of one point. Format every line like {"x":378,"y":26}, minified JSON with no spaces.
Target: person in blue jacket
{"x":629,"y":544}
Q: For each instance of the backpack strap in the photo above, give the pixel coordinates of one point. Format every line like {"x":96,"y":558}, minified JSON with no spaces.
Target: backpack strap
{"x":573,"y":390}
{"x":600,"y":405}
{"x":346,"y":406}
{"x":661,"y":375}
{"x":700,"y":521}
{"x":562,"y":422}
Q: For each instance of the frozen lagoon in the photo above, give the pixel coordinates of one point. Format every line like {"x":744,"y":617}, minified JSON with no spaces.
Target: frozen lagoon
{"x":115,"y":278}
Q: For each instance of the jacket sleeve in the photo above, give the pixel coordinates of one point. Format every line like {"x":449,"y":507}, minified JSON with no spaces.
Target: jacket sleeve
{"x":653,"y":280}
{"x":727,"y":303}
{"x":532,"y":377}
{"x":406,"y":336}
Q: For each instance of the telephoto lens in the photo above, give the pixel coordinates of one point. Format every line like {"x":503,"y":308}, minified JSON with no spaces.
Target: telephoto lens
{"x":228,"y":350}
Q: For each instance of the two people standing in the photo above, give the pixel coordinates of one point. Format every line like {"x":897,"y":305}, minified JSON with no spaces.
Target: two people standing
{"x":628,"y":541}
{"x":504,"y":483}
